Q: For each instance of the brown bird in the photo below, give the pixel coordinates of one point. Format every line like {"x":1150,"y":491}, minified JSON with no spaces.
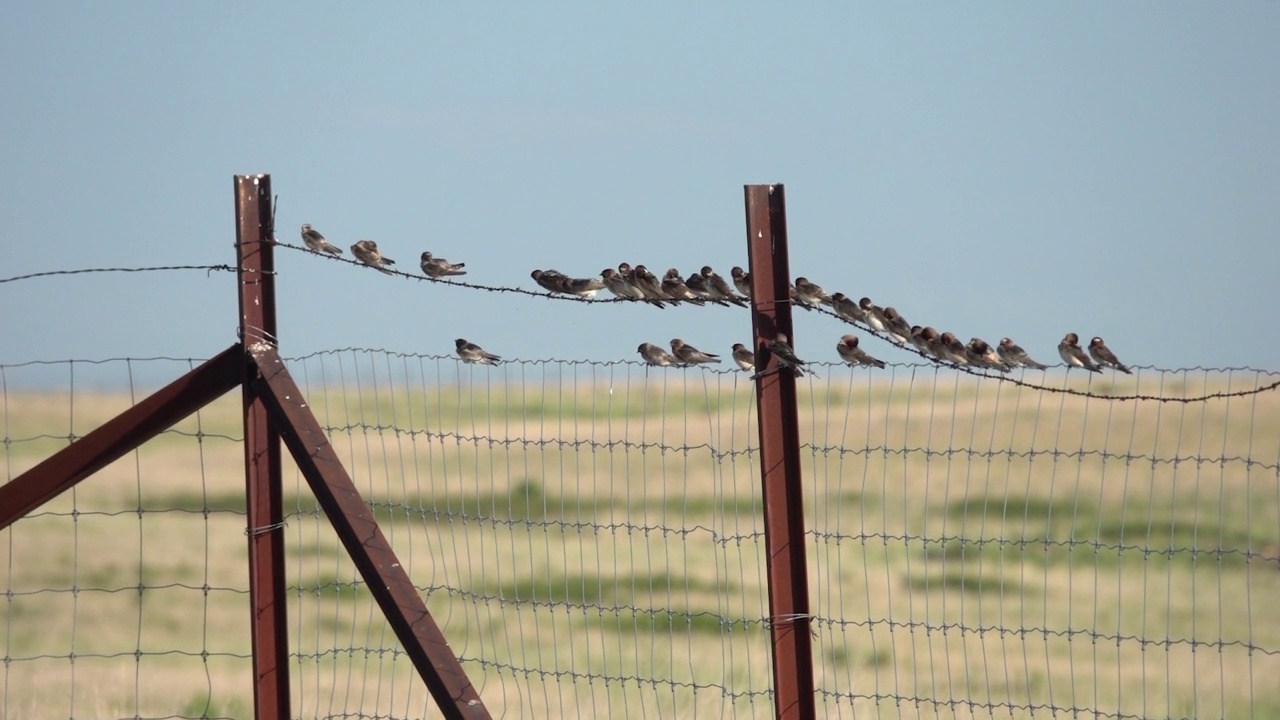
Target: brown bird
{"x":1014,"y":356}
{"x":741,"y":280}
{"x":656,"y":356}
{"x":1070,"y":352}
{"x":437,"y":267}
{"x":366,"y":251}
{"x":1103,"y":356}
{"x":847,"y":348}
{"x":673,"y":286}
{"x":470,"y":352}
{"x":745,"y":358}
{"x":691,"y":355}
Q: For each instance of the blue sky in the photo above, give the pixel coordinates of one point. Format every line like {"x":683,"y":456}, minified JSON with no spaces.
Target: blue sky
{"x":993,"y":169}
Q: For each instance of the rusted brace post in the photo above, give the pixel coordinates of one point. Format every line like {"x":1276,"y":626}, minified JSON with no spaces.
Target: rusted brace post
{"x":373,"y":556}
{"x":121,"y":434}
{"x":780,"y":456}
{"x":263,"y":478}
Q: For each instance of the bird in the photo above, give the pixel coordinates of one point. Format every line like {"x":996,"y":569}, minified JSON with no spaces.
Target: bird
{"x":439,"y":267}
{"x":673,"y":287}
{"x":896,"y":326}
{"x":1014,"y":356}
{"x":980,"y":353}
{"x":316,"y":242}
{"x":918,"y":340}
{"x":1073,"y":356}
{"x":741,"y":280}
{"x":953,"y":350}
{"x":617,"y":284}
{"x":846,"y":308}
{"x":718,"y":288}
{"x":809,"y":293}
{"x":628,"y":278}
{"x":649,"y":283}
{"x":781,"y":348}
{"x":691,"y":355}
{"x":551,"y":280}
{"x":656,"y":356}
{"x":1103,"y":356}
{"x":875,"y":316}
{"x":585,"y":288}
{"x":744,"y":357}
{"x":848,"y":349}
{"x":472,"y":353}
{"x":698,"y":286}
{"x":933,"y":341}
{"x":366,"y":251}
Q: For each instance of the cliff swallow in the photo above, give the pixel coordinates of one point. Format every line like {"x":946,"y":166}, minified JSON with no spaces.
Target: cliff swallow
{"x":896,"y":326}
{"x":875,"y":316}
{"x":625,"y":280}
{"x":953,"y":350}
{"x":552,"y":281}
{"x":980,"y":353}
{"x":656,"y":356}
{"x":470,"y":352}
{"x":846,"y":308}
{"x":809,"y":293}
{"x":698,"y":286}
{"x":316,"y":242}
{"x":744,"y":357}
{"x":1103,"y":356}
{"x":781,"y":348}
{"x":933,"y":341}
{"x":648,"y":283}
{"x":691,"y":355}
{"x":849,"y":351}
{"x":1014,"y":356}
{"x":741,"y":280}
{"x":585,"y":288}
{"x":439,"y":267}
{"x":718,"y":288}
{"x":366,"y":251}
{"x":673,"y":286}
{"x":918,"y":340}
{"x":1073,"y":356}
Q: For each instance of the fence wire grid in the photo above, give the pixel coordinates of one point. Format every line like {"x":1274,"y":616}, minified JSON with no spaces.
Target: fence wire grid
{"x":589,"y":536}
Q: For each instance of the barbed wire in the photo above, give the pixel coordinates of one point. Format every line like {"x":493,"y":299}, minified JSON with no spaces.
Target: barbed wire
{"x":210,"y":269}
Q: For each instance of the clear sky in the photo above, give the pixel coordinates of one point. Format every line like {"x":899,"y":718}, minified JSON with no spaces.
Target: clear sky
{"x":1019,"y":169}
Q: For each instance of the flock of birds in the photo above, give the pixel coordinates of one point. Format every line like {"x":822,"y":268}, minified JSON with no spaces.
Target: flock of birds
{"x":706,"y":286}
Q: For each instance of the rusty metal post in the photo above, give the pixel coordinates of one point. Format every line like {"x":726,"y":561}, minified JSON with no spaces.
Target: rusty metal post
{"x":358,"y":530}
{"x":263,"y":477}
{"x":780,"y":456}
{"x":161,"y":410}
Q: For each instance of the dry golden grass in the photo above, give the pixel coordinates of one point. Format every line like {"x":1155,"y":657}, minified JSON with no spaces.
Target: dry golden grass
{"x":591,"y":544}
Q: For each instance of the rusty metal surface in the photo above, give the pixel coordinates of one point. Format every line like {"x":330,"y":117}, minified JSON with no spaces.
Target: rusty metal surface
{"x":358,"y":530}
{"x":780,"y":456}
{"x":120,"y":435}
{"x":262,"y":471}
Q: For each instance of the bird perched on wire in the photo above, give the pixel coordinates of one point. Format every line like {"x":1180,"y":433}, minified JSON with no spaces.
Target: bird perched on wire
{"x":846,"y":308}
{"x":698,"y":286}
{"x":875,"y":315}
{"x":953,"y":350}
{"x":315,"y":242}
{"x":656,"y":356}
{"x":744,"y":357}
{"x":1014,"y":356}
{"x":615,"y":283}
{"x":918,"y":340}
{"x":649,"y":283}
{"x":810,"y":294}
{"x":980,"y":353}
{"x":933,"y":341}
{"x":780,"y":347}
{"x":847,"y":348}
{"x":691,"y":355}
{"x":896,"y":326}
{"x":720,"y":289}
{"x":741,"y":280}
{"x":1070,"y":352}
{"x":470,"y":352}
{"x":1103,"y":356}
{"x":366,"y":251}
{"x":438,"y":267}
{"x":627,"y":277}
{"x":673,"y":286}
{"x":552,"y":281}
{"x":585,"y":288}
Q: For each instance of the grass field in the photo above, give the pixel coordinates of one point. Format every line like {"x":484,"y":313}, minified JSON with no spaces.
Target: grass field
{"x":590,"y":540}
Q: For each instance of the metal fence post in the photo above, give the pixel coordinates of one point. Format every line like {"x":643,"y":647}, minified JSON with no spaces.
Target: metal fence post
{"x":263,"y":478}
{"x":780,"y":456}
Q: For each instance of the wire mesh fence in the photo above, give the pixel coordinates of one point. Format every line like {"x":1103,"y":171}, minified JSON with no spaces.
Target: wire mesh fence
{"x":589,"y":537}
